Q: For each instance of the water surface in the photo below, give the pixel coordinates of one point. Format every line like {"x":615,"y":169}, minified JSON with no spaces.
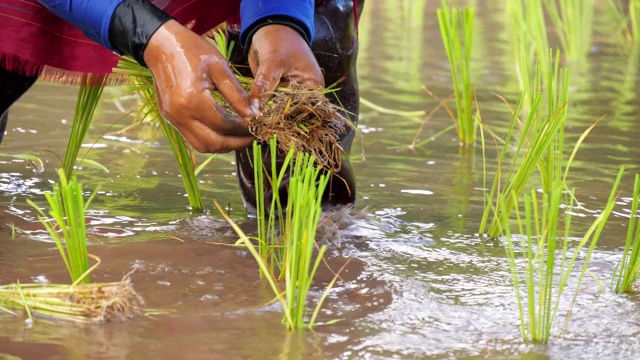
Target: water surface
{"x":421,"y":283}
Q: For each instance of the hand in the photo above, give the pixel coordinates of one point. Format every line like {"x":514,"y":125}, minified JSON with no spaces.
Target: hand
{"x":186,"y":68}
{"x":278,"y":52}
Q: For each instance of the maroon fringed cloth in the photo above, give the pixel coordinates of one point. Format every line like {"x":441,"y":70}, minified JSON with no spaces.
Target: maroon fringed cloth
{"x":32,"y":38}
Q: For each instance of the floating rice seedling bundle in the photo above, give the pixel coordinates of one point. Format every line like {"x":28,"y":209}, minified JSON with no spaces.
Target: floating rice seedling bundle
{"x":100,"y":302}
{"x":627,"y":271}
{"x":82,"y":300}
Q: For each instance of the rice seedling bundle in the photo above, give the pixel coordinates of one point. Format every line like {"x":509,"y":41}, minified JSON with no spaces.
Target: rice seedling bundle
{"x":81,"y":301}
{"x":99,"y":302}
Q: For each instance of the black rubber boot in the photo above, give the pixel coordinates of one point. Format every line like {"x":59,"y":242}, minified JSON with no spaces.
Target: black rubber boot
{"x":12,"y":87}
{"x":336,"y":49}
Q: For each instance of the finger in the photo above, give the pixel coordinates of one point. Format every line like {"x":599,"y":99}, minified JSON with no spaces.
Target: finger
{"x":266,"y":80}
{"x":230,"y":88}
{"x":218,"y":119}
{"x":205,"y":140}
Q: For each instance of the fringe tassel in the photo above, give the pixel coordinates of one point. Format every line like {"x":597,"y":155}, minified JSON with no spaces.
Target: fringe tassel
{"x":19,"y":65}
{"x":51,"y":74}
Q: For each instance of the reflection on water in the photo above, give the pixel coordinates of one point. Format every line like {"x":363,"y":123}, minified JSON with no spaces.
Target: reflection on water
{"x":420,"y":283}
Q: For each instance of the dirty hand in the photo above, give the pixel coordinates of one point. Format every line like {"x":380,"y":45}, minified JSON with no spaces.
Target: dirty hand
{"x":186,"y":68}
{"x":278,"y":52}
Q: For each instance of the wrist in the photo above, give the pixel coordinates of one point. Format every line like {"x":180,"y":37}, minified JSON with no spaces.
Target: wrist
{"x":247,"y":37}
{"x":133,"y":24}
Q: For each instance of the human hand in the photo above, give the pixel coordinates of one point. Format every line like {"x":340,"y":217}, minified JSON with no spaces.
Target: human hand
{"x":186,"y":68}
{"x":278,"y":52}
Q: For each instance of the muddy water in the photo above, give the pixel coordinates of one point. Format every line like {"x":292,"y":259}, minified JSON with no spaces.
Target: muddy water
{"x":421,"y":283}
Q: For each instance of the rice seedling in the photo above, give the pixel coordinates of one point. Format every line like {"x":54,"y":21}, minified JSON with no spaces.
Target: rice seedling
{"x":91,"y":87}
{"x":548,"y":262}
{"x":269,"y":210}
{"x":68,"y":214}
{"x":540,"y":147}
{"x":573,"y":22}
{"x":529,"y":39}
{"x":627,"y":272}
{"x":100,"y":302}
{"x":141,"y":82}
{"x":286,"y":240}
{"x":456,"y":27}
{"x":82,"y":301}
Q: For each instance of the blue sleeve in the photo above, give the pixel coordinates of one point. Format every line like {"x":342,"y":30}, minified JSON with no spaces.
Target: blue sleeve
{"x":93,"y":17}
{"x":252,"y":11}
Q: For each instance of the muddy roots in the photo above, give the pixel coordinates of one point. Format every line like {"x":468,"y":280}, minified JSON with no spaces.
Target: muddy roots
{"x":305,"y":120}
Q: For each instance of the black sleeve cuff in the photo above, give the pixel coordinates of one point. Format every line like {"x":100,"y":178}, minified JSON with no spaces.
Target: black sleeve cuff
{"x":132,"y":25}
{"x":280,"y":20}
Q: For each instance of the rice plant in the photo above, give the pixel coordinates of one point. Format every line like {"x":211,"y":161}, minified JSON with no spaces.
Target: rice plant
{"x":530,"y":41}
{"x":82,"y":301}
{"x":142,"y":83}
{"x":456,"y":27}
{"x":543,"y":233}
{"x":627,"y":272}
{"x":68,"y":230}
{"x":91,"y":87}
{"x":573,"y":22}
{"x":269,"y":211}
{"x":289,"y":243}
{"x":540,"y":146}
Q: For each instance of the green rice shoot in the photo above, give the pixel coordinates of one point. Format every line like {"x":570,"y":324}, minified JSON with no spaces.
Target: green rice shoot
{"x":540,"y":147}
{"x":141,"y":82}
{"x":627,"y":271}
{"x":530,"y":41}
{"x":91,"y":87}
{"x":67,"y":225}
{"x":288,"y":251}
{"x":456,"y":27}
{"x":546,"y":274}
{"x":82,"y":301}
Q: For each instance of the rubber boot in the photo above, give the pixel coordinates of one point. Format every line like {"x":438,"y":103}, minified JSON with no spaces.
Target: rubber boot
{"x":12,"y":87}
{"x":336,"y":49}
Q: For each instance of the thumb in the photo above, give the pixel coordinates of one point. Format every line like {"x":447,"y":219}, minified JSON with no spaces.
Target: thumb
{"x":266,"y":80}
